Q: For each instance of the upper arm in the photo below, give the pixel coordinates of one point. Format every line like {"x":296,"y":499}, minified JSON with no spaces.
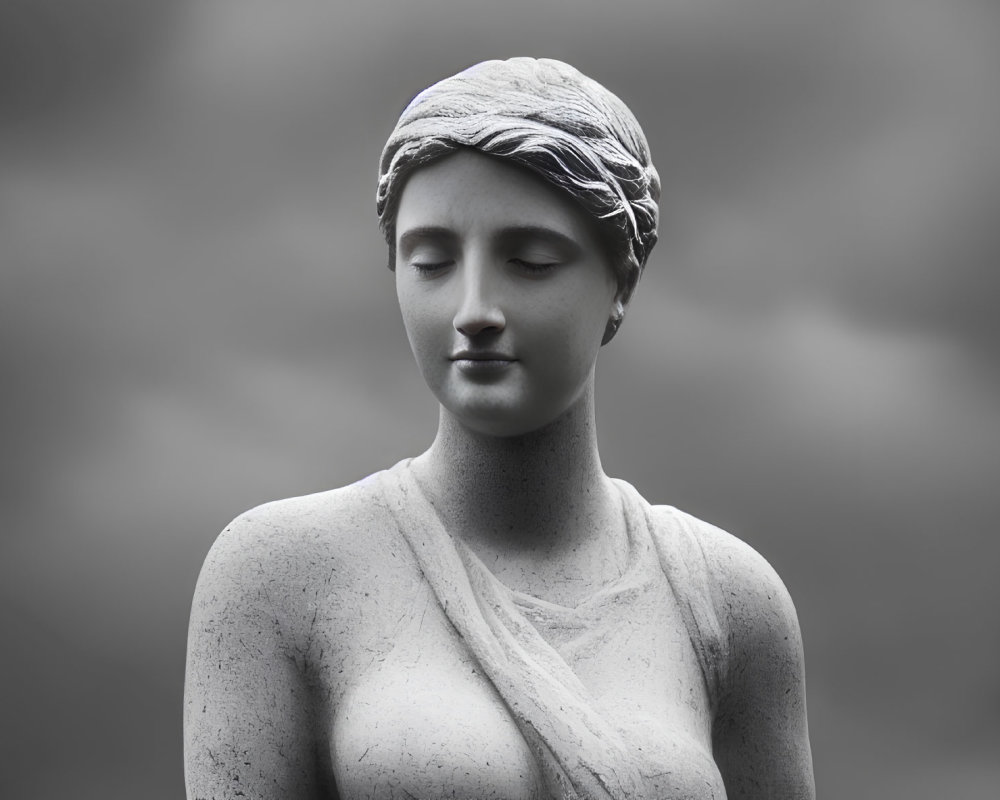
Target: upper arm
{"x":248,"y":730}
{"x":760,"y":734}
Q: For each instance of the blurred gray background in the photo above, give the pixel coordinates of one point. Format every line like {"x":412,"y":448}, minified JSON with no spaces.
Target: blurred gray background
{"x":196,"y":317}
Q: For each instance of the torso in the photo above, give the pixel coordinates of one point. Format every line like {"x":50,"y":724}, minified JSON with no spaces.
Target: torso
{"x":406,"y":711}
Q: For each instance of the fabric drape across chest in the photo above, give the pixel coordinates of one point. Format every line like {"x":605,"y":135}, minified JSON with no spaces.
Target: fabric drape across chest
{"x":580,"y":751}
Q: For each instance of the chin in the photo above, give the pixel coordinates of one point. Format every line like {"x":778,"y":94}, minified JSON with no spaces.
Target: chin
{"x":504,"y":422}
{"x":505,"y":415}
{"x":499,"y":425}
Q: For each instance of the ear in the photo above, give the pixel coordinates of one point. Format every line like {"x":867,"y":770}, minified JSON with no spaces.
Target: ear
{"x":615,"y":320}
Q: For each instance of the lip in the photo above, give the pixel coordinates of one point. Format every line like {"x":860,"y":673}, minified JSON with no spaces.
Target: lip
{"x":482,"y":363}
{"x":482,"y":355}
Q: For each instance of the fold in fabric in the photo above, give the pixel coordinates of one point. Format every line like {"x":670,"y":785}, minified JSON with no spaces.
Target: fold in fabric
{"x":582,"y":756}
{"x":683,"y":561}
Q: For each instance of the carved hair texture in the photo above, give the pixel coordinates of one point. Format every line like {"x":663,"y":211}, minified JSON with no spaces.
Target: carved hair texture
{"x":548,"y":117}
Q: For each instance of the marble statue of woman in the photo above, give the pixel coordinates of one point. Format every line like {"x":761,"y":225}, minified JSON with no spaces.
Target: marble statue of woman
{"x":496,"y":617}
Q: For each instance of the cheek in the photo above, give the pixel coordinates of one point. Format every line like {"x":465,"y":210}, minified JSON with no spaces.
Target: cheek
{"x":423,"y":323}
{"x":410,"y":308}
{"x":587,"y":322}
{"x":583,"y":320}
{"x":569,"y":344}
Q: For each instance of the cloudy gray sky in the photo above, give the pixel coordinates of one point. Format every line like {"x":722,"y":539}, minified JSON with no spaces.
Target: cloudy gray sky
{"x":197,"y":318}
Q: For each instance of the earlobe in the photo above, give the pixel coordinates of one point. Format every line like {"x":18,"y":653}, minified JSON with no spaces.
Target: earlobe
{"x":614,"y":322}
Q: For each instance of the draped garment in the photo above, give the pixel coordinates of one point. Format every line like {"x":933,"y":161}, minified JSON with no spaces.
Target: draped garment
{"x":581,"y":754}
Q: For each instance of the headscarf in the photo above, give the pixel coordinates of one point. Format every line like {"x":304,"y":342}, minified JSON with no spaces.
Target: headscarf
{"x":546,"y":116}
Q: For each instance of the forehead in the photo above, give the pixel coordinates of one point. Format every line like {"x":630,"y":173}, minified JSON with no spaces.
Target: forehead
{"x":468,"y":193}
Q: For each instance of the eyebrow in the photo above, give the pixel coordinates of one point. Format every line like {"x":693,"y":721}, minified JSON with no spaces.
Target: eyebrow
{"x":412,"y":236}
{"x":519,"y":233}
{"x":510,"y":235}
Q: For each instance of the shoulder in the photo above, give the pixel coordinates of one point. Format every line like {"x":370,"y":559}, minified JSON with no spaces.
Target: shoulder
{"x":762,"y":682}
{"x":297,"y":526}
{"x":753,"y":618}
{"x":294,"y":530}
{"x":252,"y":666}
{"x":279,"y":556}
{"x":749,"y":594}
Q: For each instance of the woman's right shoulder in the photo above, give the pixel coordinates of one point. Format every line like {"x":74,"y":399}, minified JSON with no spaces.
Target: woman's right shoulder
{"x":281,"y":605}
{"x":290,"y":544}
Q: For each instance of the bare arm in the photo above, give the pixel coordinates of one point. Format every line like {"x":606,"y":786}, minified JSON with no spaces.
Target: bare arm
{"x":248,"y":730}
{"x":760,"y":735}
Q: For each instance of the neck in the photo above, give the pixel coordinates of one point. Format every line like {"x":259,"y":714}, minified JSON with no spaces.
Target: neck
{"x":536,"y":492}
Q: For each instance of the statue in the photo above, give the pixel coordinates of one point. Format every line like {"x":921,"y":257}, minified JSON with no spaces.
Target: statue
{"x":497,"y":618}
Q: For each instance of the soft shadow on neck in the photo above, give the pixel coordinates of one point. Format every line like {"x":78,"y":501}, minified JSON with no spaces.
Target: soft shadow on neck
{"x":541,"y":493}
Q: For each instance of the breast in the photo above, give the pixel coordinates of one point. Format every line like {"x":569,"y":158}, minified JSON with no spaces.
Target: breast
{"x":423,"y":721}
{"x":673,"y":761}
{"x":425,"y":726}
{"x":406,"y":731}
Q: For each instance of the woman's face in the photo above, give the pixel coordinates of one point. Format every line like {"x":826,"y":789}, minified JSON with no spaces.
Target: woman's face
{"x":504,"y":291}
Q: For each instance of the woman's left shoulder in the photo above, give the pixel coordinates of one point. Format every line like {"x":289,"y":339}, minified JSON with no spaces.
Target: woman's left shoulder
{"x":748,"y":588}
{"x":762,"y":671}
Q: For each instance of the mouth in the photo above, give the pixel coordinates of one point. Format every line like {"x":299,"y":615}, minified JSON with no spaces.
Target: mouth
{"x":482,"y":355}
{"x":482,"y":362}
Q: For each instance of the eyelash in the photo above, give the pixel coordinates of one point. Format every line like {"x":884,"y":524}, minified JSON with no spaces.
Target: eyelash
{"x":534,"y":268}
{"x":530,"y":267}
{"x":429,"y":268}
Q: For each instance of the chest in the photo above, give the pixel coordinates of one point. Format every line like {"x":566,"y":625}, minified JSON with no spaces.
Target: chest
{"x":421,"y":719}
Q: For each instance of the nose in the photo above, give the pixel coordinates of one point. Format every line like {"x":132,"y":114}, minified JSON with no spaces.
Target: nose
{"x":479,"y":308}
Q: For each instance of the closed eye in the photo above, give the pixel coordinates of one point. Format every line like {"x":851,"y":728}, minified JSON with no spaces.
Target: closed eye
{"x":534,"y":267}
{"x":430,"y":267}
